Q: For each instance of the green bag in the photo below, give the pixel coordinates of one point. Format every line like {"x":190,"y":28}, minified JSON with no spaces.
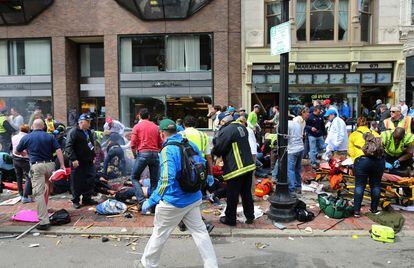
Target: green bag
{"x":335,"y":207}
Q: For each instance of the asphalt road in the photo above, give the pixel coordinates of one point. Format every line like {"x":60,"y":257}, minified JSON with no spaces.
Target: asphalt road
{"x":321,"y":252}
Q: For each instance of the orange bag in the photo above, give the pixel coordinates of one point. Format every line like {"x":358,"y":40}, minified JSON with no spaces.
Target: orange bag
{"x":263,"y":188}
{"x":335,"y":180}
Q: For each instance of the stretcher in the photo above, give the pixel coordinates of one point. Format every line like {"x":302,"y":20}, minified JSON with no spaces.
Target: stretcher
{"x":394,"y":188}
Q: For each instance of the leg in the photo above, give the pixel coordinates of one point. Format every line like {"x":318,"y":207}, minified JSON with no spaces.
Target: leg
{"x":233,"y":192}
{"x":154,"y":169}
{"x":197,"y":228}
{"x":19,"y":175}
{"x":360,"y":183}
{"x":298,"y":170}
{"x":377,"y":170}
{"x":74,"y":187}
{"x":122,"y":161}
{"x":246,"y":196}
{"x":38,"y":180}
{"x":313,"y":143}
{"x":28,"y":184}
{"x":275,"y":171}
{"x":89,"y":182}
{"x":108,"y":160}
{"x":139,"y":166}
{"x":166,"y":219}
{"x":291,"y":163}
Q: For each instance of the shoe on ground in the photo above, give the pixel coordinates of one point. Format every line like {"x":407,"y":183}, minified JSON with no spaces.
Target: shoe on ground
{"x":182,"y":226}
{"x":357,"y":214}
{"x":76,"y":205}
{"x":138,"y":264}
{"x":43,"y":227}
{"x":26,"y":200}
{"x":249,"y":221}
{"x":224,"y":220}
{"x":209,"y":227}
{"x":375,"y":212}
{"x":89,"y":202}
{"x":298,"y":191}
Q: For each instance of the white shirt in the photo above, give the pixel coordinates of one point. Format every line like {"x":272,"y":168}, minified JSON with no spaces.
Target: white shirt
{"x":404,"y":110}
{"x":295,"y":137}
{"x":117,"y":127}
{"x":252,"y":141}
{"x":299,"y":119}
{"x":16,"y":121}
{"x":216,"y":122}
{"x":337,"y":138}
{"x":15,"y":142}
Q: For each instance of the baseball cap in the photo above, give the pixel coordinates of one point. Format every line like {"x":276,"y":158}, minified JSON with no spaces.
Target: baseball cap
{"x":85,"y":117}
{"x":256,"y":106}
{"x":108,"y":120}
{"x":327,"y":102}
{"x":241,"y":109}
{"x":231,"y":109}
{"x":329,"y":112}
{"x":168,"y":124}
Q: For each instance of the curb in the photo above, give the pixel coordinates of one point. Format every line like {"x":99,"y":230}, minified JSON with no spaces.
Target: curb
{"x":217,"y":232}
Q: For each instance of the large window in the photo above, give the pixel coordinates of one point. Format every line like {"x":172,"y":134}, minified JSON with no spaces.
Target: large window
{"x":321,"y":20}
{"x":365,"y":19}
{"x":412,"y":12}
{"x":25,"y":57}
{"x":92,"y":60}
{"x":273,"y":16}
{"x":173,"y":53}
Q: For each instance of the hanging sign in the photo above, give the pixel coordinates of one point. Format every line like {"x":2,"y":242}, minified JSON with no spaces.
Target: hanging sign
{"x":280,"y":39}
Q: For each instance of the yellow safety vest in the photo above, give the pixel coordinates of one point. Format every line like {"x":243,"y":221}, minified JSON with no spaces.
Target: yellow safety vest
{"x":389,"y":145}
{"x":3,"y":118}
{"x":50,"y":126}
{"x":405,"y":123}
{"x":197,"y":137}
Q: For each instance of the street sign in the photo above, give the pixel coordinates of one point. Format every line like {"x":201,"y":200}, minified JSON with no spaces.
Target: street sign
{"x":280,"y":39}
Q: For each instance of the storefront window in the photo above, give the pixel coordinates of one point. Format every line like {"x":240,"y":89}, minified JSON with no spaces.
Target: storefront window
{"x":273,"y":16}
{"x":365,"y":19}
{"x":368,"y":78}
{"x":26,"y":105}
{"x":96,"y":108}
{"x":174,"y":53}
{"x":25,"y":57}
{"x":92,"y":60}
{"x":337,"y":79}
{"x":320,"y":79}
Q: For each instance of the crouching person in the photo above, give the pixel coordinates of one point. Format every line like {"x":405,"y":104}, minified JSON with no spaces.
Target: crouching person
{"x":174,"y":204}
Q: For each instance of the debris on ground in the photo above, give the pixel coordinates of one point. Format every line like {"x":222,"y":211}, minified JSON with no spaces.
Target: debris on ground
{"x":11,"y":201}
{"x":124,"y":230}
{"x":355,"y":236}
{"x":260,"y":245}
{"x":291,"y":238}
{"x":105,"y":239}
{"x":58,"y":242}
{"x":34,"y":245}
{"x":278,"y":225}
{"x":36,"y":234}
{"x":308,"y":230}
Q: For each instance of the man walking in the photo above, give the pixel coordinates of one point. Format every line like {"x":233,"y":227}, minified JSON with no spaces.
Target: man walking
{"x":145,"y":145}
{"x":41,"y":147}
{"x":174,"y":205}
{"x":232,"y":144}
{"x":80,"y":149}
{"x":315,"y":129}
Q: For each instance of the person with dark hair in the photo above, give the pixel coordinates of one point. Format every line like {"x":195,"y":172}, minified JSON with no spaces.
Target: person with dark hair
{"x":213,"y":114}
{"x":315,"y":130}
{"x":16,"y":119}
{"x":145,"y":145}
{"x":365,"y":167}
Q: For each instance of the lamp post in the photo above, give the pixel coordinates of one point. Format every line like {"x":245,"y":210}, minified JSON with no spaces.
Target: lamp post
{"x":282,"y":208}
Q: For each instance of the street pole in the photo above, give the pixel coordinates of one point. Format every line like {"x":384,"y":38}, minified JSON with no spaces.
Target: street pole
{"x":282,"y":208}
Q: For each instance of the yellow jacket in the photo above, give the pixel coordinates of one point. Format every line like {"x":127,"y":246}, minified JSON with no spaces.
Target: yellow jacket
{"x":356,"y":141}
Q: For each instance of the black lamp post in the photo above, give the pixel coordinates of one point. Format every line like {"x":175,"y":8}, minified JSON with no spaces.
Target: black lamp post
{"x":282,"y":204}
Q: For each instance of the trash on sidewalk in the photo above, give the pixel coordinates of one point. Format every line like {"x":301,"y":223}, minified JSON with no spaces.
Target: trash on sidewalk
{"x":279,"y":225}
{"x":60,"y":217}
{"x":313,"y":187}
{"x":355,"y":236}
{"x":309,"y":230}
{"x":111,"y":207}
{"x":105,"y":239}
{"x":58,"y":242}
{"x":34,"y":245}
{"x":7,"y":236}
{"x":123,"y":230}
{"x":89,"y":226}
{"x":11,"y":201}
{"x":36,"y":234}
{"x":260,"y":245}
{"x":408,"y":208}
{"x":26,"y":216}
{"x":291,"y":238}
{"x":382,"y":233}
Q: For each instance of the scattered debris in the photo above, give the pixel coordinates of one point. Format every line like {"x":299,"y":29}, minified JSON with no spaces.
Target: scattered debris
{"x":265,"y":197}
{"x":81,"y":217}
{"x":105,"y":239}
{"x":36,"y":234}
{"x":91,"y":208}
{"x":279,"y":225}
{"x":27,"y":231}
{"x":7,"y":236}
{"x":261,"y":245}
{"x":89,"y":226}
{"x":34,"y":245}
{"x":124,"y":230}
{"x":355,"y":236}
{"x":388,"y":262}
{"x":58,"y":242}
{"x":128,"y":215}
{"x":229,"y":257}
{"x":291,"y":238}
{"x":133,"y":248}
{"x":11,"y":201}
{"x":308,"y":230}
{"x":51,"y":236}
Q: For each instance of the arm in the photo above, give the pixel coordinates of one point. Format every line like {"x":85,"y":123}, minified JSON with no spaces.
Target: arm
{"x":70,"y":150}
{"x":60,"y":158}
{"x":221,"y":143}
{"x":9,"y":128}
{"x":168,"y":175}
{"x":134,"y":142}
{"x":351,"y":146}
{"x":340,"y":134}
{"x":22,"y":145}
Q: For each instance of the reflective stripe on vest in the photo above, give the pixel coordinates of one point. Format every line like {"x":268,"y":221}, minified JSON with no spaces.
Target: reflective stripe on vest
{"x":50,"y":126}
{"x":406,"y":124}
{"x":3,"y":118}
{"x":389,"y":145}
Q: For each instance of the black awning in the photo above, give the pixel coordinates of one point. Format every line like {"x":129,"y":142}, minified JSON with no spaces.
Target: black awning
{"x":163,"y":9}
{"x":20,"y":12}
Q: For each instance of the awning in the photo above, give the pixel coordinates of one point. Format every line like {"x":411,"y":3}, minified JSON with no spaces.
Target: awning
{"x":19,"y":12}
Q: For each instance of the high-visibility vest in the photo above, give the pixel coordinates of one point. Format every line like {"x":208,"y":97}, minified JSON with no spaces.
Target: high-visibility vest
{"x":197,"y":137}
{"x":50,"y":126}
{"x":3,"y":118}
{"x":389,"y":144}
{"x":405,"y":123}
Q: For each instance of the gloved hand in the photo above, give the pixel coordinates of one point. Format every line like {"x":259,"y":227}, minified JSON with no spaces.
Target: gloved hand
{"x":396,"y":164}
{"x":388,"y":165}
{"x":145,"y":206}
{"x":210,"y":180}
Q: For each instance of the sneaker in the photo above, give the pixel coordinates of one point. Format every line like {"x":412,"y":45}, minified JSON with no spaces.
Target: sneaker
{"x":182,"y":226}
{"x":43,"y":227}
{"x":76,"y":205}
{"x":26,"y":200}
{"x":209,"y":227}
{"x":375,"y":212}
{"x":89,"y":202}
{"x":357,"y":214}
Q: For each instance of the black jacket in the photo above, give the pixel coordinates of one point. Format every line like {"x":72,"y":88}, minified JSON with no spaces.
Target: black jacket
{"x":77,"y":147}
{"x":316,"y":122}
{"x":232,"y":144}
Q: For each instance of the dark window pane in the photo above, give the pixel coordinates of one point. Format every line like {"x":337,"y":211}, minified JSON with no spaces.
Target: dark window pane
{"x":273,"y":17}
{"x":176,"y":9}
{"x":301,"y":20}
{"x":16,"y":58}
{"x":322,"y":20}
{"x":97,"y":60}
{"x":205,"y":52}
{"x":410,"y":66}
{"x":179,"y":107}
{"x":148,"y":53}
{"x":365,"y":27}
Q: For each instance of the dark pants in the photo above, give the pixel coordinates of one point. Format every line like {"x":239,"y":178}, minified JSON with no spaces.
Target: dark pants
{"x":5,"y":142}
{"x":115,"y":151}
{"x":143,"y":160}
{"x":22,"y":169}
{"x":82,"y":181}
{"x":239,"y":186}
{"x":368,"y":168}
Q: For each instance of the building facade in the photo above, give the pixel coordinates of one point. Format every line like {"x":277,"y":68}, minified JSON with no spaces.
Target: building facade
{"x":113,"y":57}
{"x":346,"y":50}
{"x":406,"y":30}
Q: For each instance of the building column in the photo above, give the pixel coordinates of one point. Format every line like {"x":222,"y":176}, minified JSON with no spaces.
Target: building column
{"x":65,"y":77}
{"x":221,"y":70}
{"x":111,"y":76}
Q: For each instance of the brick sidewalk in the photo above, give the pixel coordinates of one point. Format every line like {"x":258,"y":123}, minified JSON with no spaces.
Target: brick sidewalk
{"x":321,"y":222}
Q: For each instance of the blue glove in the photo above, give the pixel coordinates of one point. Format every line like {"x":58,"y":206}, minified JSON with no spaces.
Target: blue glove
{"x":388,"y":165}
{"x":145,"y":207}
{"x":146,"y":182}
{"x":210,"y":180}
{"x":396,"y":164}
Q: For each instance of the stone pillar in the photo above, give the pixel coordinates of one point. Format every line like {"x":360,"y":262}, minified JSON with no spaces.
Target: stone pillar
{"x":111,"y":76}
{"x":221,"y":68}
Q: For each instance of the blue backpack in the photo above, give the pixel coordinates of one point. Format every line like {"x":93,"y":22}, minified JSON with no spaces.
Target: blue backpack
{"x":193,"y":170}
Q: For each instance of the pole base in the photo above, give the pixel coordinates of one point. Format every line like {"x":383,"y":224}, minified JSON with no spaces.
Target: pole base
{"x":282,"y":207}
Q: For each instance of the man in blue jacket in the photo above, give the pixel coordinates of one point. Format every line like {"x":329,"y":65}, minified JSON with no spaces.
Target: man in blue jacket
{"x":174,"y":205}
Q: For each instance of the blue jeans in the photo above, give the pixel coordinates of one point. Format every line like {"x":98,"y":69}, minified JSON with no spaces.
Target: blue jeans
{"x":294,"y":170}
{"x":368,"y":168}
{"x":115,"y":151}
{"x":315,"y":146}
{"x":143,"y":160}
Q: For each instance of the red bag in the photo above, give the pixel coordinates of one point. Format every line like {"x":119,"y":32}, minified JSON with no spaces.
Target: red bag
{"x":263,"y":188}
